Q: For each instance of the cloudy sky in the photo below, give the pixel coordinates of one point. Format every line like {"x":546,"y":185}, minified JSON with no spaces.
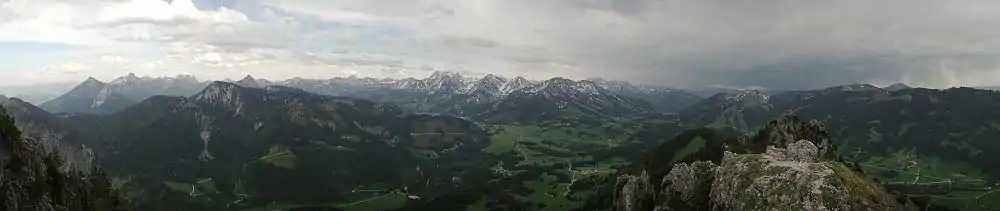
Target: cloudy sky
{"x":739,"y":43}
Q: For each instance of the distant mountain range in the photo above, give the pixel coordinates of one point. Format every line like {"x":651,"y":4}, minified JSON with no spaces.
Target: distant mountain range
{"x":565,"y":100}
{"x":235,"y":146}
{"x":450,"y":142}
{"x":37,"y":93}
{"x":93,"y":96}
{"x":442,"y":92}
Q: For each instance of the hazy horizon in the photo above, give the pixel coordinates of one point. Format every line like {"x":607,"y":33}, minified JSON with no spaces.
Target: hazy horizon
{"x":63,"y":86}
{"x":771,"y":44}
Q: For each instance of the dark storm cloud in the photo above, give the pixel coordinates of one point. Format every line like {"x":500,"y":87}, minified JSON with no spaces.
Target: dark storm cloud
{"x":781,"y":44}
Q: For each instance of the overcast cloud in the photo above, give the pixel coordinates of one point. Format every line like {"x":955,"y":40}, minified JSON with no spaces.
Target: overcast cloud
{"x":739,"y":43}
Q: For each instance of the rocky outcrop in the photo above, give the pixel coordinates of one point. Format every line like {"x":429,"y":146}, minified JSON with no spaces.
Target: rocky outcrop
{"x":632,"y":191}
{"x":794,"y":177}
{"x":788,"y":164}
{"x":688,"y":185}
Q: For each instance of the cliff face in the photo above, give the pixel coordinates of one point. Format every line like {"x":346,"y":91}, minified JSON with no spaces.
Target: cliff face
{"x":788,"y":164}
{"x":34,"y":178}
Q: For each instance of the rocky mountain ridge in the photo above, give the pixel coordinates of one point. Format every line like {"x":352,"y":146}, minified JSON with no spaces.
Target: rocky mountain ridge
{"x":260,"y":145}
{"x":565,"y":100}
{"x":173,"y":150}
{"x":34,"y":177}
{"x":93,"y":96}
{"x":50,"y":134}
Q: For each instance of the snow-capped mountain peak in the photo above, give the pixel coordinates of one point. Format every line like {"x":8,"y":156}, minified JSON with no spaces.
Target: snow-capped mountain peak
{"x":489,"y":84}
{"x":588,"y":87}
{"x":493,"y":79}
{"x":441,"y":81}
{"x":441,"y":84}
{"x":748,"y":97}
{"x":515,"y":84}
{"x":439,"y":75}
{"x":566,"y":86}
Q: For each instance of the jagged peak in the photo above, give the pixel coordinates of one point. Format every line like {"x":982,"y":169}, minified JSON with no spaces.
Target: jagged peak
{"x":220,"y":92}
{"x":519,"y":81}
{"x":445,"y":74}
{"x":557,"y":82}
{"x":90,"y":84}
{"x":489,"y":83}
{"x":186,"y":77}
{"x":127,"y":79}
{"x":588,"y":83}
{"x":220,"y":85}
{"x":787,"y":129}
{"x":248,"y":77}
{"x":248,"y":81}
{"x":492,"y":79}
{"x":441,"y":81}
{"x":742,"y":98}
{"x":223,"y":84}
{"x":750,"y":94}
{"x":92,"y":80}
{"x":560,"y":84}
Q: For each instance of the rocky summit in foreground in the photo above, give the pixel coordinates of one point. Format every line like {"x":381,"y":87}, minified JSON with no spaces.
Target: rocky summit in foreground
{"x":788,"y":164}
